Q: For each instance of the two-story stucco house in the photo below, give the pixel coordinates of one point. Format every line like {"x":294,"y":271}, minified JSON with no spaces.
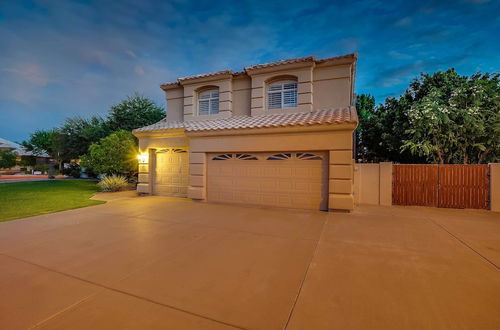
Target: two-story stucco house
{"x":276,"y":134}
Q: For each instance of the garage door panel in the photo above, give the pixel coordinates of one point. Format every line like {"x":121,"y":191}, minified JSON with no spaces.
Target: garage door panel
{"x":286,"y":182}
{"x":171,"y":172}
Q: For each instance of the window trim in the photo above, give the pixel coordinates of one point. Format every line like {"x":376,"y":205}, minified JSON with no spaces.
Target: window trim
{"x":210,"y":98}
{"x":282,"y":91}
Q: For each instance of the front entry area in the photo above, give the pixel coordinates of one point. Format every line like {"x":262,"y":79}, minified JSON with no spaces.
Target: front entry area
{"x":171,"y":172}
{"x":286,"y":179}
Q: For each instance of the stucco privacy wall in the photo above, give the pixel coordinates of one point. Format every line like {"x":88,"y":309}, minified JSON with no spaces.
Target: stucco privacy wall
{"x":337,"y":143}
{"x":373,"y":184}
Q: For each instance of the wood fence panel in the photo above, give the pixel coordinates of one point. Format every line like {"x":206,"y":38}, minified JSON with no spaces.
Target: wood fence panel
{"x":464,"y":186}
{"x":415,"y":185}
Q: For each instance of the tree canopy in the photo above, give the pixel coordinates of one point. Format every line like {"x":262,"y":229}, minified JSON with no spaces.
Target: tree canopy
{"x":7,"y":159}
{"x":114,"y":154}
{"x":441,"y":118}
{"x":74,"y":137}
{"x":134,"y":112}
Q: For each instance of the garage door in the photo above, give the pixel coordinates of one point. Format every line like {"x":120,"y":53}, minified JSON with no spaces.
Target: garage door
{"x":287,"y":179}
{"x":171,"y":172}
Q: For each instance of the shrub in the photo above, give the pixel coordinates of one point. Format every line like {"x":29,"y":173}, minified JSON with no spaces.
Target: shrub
{"x":72,"y":169}
{"x":113,"y":183}
{"x":41,"y":168}
{"x":114,"y":154}
{"x":7,"y":159}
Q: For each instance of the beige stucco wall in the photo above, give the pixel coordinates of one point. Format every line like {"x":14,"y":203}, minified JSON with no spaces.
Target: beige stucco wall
{"x":320,"y":86}
{"x":260,"y":80}
{"x":337,"y":143}
{"x":373,"y":184}
{"x":242,"y":94}
{"x":148,"y":145}
{"x":495,"y":187}
{"x":313,"y":141}
{"x":175,"y":104}
{"x":191,"y":90}
{"x":332,"y":86}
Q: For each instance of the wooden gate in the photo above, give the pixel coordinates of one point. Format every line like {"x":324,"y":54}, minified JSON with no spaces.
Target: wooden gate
{"x":464,"y":186}
{"x":451,"y":186}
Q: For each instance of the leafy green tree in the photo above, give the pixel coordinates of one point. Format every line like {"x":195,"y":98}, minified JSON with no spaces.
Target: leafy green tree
{"x":77,"y":134}
{"x":46,"y":141}
{"x":7,"y":159}
{"x":134,"y":112}
{"x":442,"y":117}
{"x":27,"y":161}
{"x":114,"y":154}
{"x":365,"y":105}
{"x":456,"y":120}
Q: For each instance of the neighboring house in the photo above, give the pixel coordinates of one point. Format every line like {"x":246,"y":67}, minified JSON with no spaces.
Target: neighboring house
{"x":276,"y":134}
{"x":20,"y":151}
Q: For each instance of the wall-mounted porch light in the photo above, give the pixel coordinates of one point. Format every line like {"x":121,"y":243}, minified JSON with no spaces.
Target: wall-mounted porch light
{"x":143,"y":158}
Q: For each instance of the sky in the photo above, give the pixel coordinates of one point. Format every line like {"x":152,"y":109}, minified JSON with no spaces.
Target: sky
{"x":61,"y":59}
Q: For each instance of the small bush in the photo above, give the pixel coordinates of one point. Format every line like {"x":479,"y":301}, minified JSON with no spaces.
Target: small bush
{"x":113,"y":183}
{"x":72,"y":169}
{"x":41,"y":168}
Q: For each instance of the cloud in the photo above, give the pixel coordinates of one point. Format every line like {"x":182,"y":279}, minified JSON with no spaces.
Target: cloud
{"x":78,"y":58}
{"x":398,"y":55}
{"x":139,"y":70}
{"x":30,"y":73}
{"x":404,"y":22}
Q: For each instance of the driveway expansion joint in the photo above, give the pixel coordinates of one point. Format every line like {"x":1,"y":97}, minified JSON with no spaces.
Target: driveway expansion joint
{"x":114,"y":290}
{"x":463,"y":242}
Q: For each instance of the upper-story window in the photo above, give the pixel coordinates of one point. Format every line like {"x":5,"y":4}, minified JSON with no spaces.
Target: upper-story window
{"x":208,"y":102}
{"x":282,"y":94}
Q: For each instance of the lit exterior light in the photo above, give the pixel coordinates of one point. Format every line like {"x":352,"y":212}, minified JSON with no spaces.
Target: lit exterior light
{"x":143,"y":158}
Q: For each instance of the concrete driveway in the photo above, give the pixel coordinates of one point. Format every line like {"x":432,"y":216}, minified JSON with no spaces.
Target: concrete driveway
{"x":165,"y":263}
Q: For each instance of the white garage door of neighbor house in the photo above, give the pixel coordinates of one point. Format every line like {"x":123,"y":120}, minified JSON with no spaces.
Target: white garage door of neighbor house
{"x":286,"y":179}
{"x":172,"y":172}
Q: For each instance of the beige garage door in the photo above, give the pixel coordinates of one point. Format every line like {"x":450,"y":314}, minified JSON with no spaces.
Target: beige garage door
{"x":171,"y":172}
{"x":287,"y":179}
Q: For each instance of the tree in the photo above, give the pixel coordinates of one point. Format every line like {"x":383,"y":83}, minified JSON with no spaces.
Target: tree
{"x":46,"y":141}
{"x":114,"y":154}
{"x":455,"y":119}
{"x":7,"y":159}
{"x":134,"y":112}
{"x":365,"y":105}
{"x":77,"y":134}
{"x":27,"y":161}
{"x":442,"y":117}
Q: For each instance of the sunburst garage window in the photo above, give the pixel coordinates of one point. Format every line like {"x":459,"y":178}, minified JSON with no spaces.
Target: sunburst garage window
{"x":208,"y":102}
{"x":282,"y":94}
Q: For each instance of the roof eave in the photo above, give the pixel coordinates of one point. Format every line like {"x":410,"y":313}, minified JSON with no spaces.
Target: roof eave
{"x":337,"y":126}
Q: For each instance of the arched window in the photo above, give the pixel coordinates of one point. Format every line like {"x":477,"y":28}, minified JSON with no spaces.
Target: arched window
{"x":282,"y":94}
{"x":208,"y":102}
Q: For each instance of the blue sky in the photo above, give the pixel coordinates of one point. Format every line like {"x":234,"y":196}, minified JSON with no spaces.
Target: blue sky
{"x":66,"y":58}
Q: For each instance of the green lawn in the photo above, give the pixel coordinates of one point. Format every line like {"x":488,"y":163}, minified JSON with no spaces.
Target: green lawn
{"x":25,"y":199}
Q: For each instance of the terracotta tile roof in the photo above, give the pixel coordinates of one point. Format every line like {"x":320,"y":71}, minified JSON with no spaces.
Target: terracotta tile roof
{"x":317,"y":117}
{"x":259,"y":66}
{"x":282,"y":62}
{"x":210,"y":74}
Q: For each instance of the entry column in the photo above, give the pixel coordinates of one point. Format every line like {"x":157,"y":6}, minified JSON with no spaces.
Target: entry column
{"x":340,"y":186}
{"x":197,"y":175}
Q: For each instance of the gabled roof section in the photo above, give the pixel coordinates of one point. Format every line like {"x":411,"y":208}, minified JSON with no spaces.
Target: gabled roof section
{"x":282,"y":62}
{"x":312,"y":59}
{"x":336,"y":116}
{"x":17,"y":148}
{"x":205,"y":75}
